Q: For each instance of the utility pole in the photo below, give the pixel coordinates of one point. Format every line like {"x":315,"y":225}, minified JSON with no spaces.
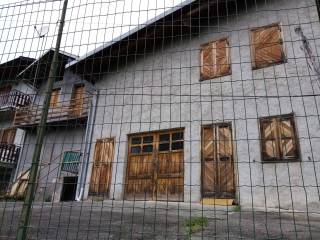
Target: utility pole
{"x":27,"y":205}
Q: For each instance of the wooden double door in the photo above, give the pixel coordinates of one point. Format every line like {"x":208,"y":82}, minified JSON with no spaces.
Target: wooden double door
{"x":155,"y":169}
{"x":218,"y":179}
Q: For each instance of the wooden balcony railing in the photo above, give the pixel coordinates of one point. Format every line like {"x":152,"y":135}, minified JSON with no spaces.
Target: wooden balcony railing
{"x":9,"y":153}
{"x":63,"y":111}
{"x":14,"y":98}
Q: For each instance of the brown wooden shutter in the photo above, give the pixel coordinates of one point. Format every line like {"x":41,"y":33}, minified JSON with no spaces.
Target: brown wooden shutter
{"x":207,"y":61}
{"x":287,"y":138}
{"x":54,"y":100}
{"x":77,"y":100}
{"x":279,"y":138}
{"x":8,"y":135}
{"x":215,"y":59}
{"x":222,"y":58}
{"x":102,"y":167}
{"x":267,"y":46}
{"x":270,"y":148}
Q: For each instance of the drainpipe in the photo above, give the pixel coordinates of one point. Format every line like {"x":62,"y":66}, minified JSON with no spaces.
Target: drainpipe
{"x":312,"y":60}
{"x":318,"y":8}
{"x":87,"y":149}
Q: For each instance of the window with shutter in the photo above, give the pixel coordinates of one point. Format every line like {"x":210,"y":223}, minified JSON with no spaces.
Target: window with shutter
{"x":267,"y":46}
{"x":54,"y":100}
{"x":278,"y":138}
{"x":215,"y":59}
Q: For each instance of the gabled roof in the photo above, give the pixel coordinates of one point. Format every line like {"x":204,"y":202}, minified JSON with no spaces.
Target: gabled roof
{"x":10,"y":70}
{"x":185,"y":19}
{"x":38,"y":71}
{"x":131,"y":32}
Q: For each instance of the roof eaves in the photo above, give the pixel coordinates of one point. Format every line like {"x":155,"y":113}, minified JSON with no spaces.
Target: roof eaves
{"x":133,"y":31}
{"x":46,"y":52}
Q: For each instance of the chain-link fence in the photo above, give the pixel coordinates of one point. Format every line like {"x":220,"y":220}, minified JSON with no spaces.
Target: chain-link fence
{"x":159,"y":119}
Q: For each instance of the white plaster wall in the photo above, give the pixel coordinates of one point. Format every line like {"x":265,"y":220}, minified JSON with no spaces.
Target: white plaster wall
{"x":162,"y":91}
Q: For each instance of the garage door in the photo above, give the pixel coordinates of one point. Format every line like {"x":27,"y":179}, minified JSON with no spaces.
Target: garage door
{"x":155,"y":167}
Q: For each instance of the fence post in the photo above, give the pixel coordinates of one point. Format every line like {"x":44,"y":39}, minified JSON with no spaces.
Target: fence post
{"x":26,"y":209}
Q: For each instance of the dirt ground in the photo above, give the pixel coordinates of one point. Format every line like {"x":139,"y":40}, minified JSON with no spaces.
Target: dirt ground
{"x":155,"y":220}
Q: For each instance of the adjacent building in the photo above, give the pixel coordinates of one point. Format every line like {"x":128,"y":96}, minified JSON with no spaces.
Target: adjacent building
{"x":66,"y":127}
{"x":14,"y":95}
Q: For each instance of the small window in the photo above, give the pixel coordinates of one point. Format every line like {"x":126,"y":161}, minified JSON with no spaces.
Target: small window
{"x":177,"y":145}
{"x":164,"y":137}
{"x":278,"y":139}
{"x":70,"y":162}
{"x":136,"y":140}
{"x":215,"y":59}
{"x":164,"y":147}
{"x":136,"y":149}
{"x":147,"y":148}
{"x":148,"y":139}
{"x":55,"y":96}
{"x":177,"y":136}
{"x":267,"y":46}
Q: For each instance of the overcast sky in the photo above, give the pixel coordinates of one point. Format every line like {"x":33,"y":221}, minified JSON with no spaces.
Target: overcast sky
{"x":89,"y":23}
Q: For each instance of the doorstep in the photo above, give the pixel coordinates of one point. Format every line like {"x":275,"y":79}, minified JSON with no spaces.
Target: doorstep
{"x":218,"y":201}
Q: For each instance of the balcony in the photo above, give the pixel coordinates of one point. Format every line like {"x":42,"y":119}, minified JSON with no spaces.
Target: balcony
{"x":9,"y":154}
{"x":14,"y":99}
{"x":62,"y":112}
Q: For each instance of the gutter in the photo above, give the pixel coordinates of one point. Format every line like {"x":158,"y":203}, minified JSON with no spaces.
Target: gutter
{"x":87,"y":149}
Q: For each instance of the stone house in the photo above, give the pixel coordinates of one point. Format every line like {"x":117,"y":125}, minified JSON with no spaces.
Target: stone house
{"x":210,"y":100}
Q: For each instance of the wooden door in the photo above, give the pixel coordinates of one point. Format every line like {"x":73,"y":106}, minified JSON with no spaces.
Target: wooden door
{"x":77,"y":100}
{"x":155,"y":166}
{"x":102,"y":167}
{"x":8,"y":135}
{"x":217,"y":161}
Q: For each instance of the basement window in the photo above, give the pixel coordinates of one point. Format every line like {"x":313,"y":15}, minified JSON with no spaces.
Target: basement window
{"x":215,"y":59}
{"x":278,"y":139}
{"x":267,"y":46}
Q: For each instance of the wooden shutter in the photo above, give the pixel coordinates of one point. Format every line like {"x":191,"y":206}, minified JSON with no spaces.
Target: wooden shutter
{"x":287,"y":138}
{"x":8,"y":135}
{"x":267,"y":46}
{"x":222,"y":58}
{"x":77,"y":100}
{"x":278,"y":138}
{"x":215,"y":59}
{"x":102,"y":167}
{"x":270,"y":149}
{"x":54,"y":100}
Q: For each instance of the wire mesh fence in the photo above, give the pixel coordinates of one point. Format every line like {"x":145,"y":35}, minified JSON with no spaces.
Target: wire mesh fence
{"x":149,"y":119}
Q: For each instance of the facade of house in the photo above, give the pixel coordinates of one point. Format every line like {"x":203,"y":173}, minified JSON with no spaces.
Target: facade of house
{"x":208,"y":101}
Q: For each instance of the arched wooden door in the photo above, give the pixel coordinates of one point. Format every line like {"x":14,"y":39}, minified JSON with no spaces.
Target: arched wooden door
{"x":155,"y":169}
{"x":218,"y":179}
{"x":102,"y":167}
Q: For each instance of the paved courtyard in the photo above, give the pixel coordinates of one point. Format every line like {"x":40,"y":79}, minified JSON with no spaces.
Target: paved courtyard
{"x":155,"y":220}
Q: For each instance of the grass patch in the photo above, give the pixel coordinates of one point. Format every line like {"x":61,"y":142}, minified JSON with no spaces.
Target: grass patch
{"x":196,"y":224}
{"x":236,"y":208}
